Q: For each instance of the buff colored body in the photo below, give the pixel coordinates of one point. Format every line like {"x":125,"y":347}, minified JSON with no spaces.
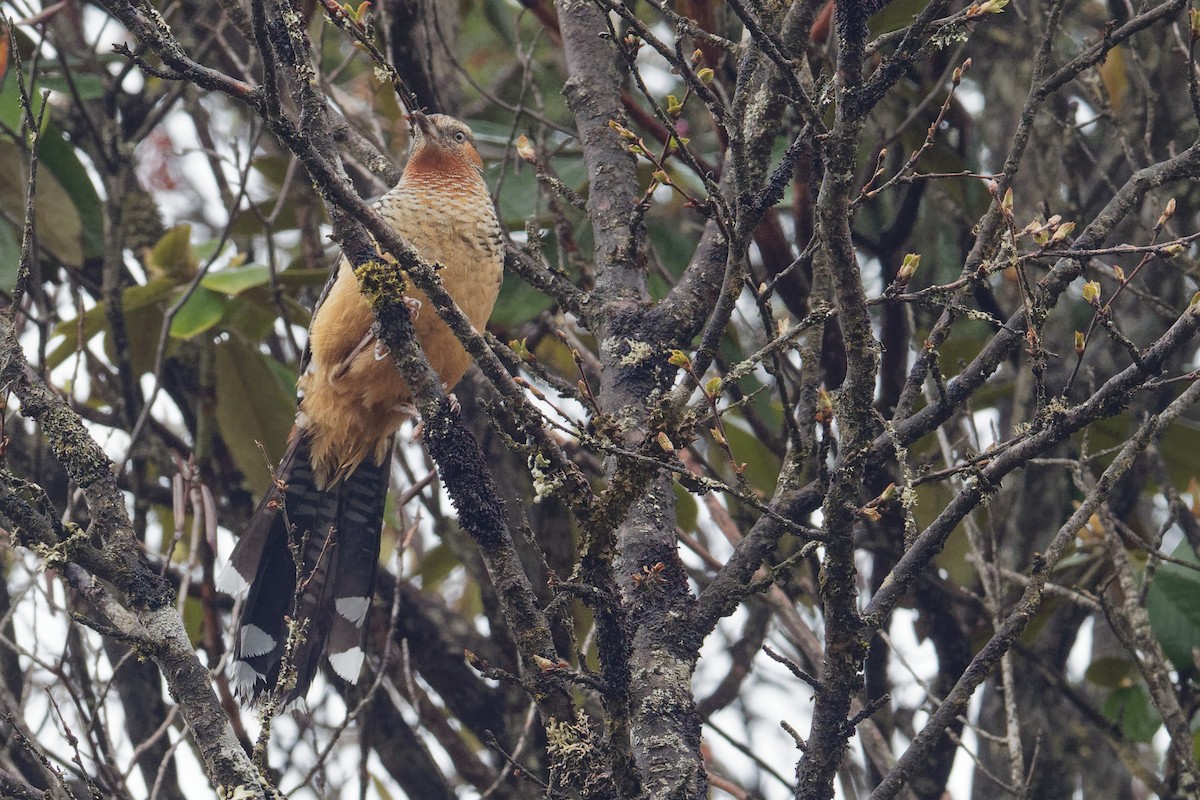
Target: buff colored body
{"x":326,"y":505}
{"x":353,"y":400}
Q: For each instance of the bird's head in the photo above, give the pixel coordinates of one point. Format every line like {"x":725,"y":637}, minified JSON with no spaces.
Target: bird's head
{"x":441,"y":144}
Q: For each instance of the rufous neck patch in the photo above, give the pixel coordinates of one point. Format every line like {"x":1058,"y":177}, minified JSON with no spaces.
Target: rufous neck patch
{"x":438,"y":163}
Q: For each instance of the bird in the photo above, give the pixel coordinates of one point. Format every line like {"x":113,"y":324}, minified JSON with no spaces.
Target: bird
{"x":309,"y":553}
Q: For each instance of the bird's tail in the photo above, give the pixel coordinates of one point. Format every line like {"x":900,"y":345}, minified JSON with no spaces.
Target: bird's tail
{"x":309,"y":555}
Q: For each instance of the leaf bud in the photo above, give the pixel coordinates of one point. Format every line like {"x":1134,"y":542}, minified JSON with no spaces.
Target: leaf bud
{"x":1063,"y":232}
{"x":525,"y":149}
{"x":622,"y":131}
{"x":1167,"y":213}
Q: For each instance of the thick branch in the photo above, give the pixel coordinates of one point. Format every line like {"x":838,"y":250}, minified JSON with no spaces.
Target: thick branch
{"x":845,"y":642}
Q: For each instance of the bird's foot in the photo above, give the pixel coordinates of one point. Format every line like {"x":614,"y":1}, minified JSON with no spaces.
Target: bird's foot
{"x":414,"y":307}
{"x":381,"y":351}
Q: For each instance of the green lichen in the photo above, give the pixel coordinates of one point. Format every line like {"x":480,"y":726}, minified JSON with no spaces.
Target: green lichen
{"x":545,"y":484}
{"x":575,"y":758}
{"x":58,"y":555}
{"x":381,"y":284}
{"x":638,"y":352}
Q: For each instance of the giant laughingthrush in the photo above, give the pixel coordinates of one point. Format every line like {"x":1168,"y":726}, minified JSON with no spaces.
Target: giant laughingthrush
{"x":329,"y":490}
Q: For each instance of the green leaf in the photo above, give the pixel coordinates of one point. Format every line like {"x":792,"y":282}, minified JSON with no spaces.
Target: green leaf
{"x":519,"y":198}
{"x":173,"y":254}
{"x":518,"y":303}
{"x":499,"y":14}
{"x":1173,"y":604}
{"x":762,"y":466}
{"x":1179,"y":445}
{"x":1108,"y":672}
{"x":193,"y":619}
{"x":674,"y":235}
{"x":235,"y":281}
{"x":273,"y":168}
{"x":249,"y":222}
{"x":87,"y":87}
{"x":300,"y":278}
{"x":381,"y":788}
{"x":686,"y":509}
{"x":1131,"y":709}
{"x":59,"y":158}
{"x":555,"y":356}
{"x":895,"y":16}
{"x":134,"y":299}
{"x":68,"y":209}
{"x":470,"y":603}
{"x":202,"y":310}
{"x":251,"y":318}
{"x":59,"y":225}
{"x":253,"y":406}
{"x":10,"y":258}
{"x":954,"y":555}
{"x":11,"y":113}
{"x":436,"y":565}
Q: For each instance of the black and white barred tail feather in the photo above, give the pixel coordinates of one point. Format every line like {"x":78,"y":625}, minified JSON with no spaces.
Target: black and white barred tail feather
{"x":336,"y":534}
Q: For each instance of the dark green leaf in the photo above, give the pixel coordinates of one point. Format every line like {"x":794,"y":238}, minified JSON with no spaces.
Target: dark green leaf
{"x":253,"y":407}
{"x":173,"y":254}
{"x":10,"y":258}
{"x":686,"y":510}
{"x":235,"y":281}
{"x":762,"y":466}
{"x":500,"y":14}
{"x":95,"y":319}
{"x":895,"y":16}
{"x":202,"y":310}
{"x":436,"y":564}
{"x":1131,"y":709}
{"x":1173,"y":603}
{"x":193,"y":619}
{"x":59,"y":226}
{"x":518,"y":302}
{"x":1108,"y":672}
{"x":85,"y":86}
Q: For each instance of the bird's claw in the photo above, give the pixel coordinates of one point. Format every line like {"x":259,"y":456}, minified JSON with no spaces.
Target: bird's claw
{"x":414,"y":307}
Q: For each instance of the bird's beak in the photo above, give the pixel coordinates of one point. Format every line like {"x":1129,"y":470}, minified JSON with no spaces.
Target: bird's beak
{"x":420,"y":120}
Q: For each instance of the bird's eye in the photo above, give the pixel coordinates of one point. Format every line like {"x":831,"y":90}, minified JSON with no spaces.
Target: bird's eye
{"x":460,"y":137}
